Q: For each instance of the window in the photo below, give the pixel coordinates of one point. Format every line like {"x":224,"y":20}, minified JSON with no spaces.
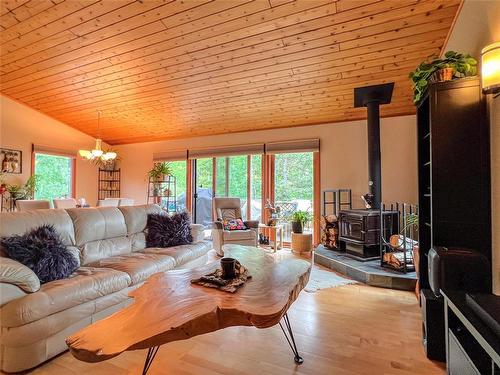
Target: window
{"x":221,"y":180}
{"x":179,"y":171}
{"x":204,"y":191}
{"x":238,"y":181}
{"x":55,"y":176}
{"x":256,"y":187}
{"x":294,"y":186}
{"x":285,"y":174}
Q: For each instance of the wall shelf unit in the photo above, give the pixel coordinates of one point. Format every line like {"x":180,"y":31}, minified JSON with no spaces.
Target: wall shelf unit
{"x":109,"y":183}
{"x":453,"y":186}
{"x":453,"y":169}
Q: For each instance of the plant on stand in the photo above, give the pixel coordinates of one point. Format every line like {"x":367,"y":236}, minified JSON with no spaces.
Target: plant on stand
{"x":27,"y":191}
{"x":299,"y":219}
{"x":453,"y":65}
{"x":160,"y":171}
{"x":157,"y":175}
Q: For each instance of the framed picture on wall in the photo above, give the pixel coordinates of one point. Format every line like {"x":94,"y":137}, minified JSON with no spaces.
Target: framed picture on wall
{"x":11,"y":161}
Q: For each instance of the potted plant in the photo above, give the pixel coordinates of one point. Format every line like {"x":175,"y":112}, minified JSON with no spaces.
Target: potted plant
{"x":16,"y":192}
{"x":27,"y":191}
{"x":159,"y":171}
{"x":299,"y":219}
{"x":30,"y":187}
{"x":453,"y":65}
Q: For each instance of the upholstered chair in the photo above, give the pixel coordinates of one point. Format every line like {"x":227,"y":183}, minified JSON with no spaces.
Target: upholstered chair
{"x":125,"y":202}
{"x":230,"y":208}
{"x":108,"y":202}
{"x":64,"y":203}
{"x":30,"y":204}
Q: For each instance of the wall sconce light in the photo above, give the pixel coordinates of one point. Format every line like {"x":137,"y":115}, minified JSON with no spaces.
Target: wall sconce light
{"x":490,"y":68}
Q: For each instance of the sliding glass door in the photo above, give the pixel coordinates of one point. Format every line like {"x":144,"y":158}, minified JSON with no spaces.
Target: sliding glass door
{"x":293,"y":187}
{"x":285,"y":178}
{"x":203,"y":182}
{"x":256,"y":187}
{"x":238,"y":176}
{"x":179,"y":171}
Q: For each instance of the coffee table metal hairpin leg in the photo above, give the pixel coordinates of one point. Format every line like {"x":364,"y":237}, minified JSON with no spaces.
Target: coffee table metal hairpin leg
{"x":149,"y":358}
{"x":291,"y":341}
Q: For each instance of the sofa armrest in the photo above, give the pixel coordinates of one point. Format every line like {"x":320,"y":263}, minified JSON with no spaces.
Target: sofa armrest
{"x":13,"y":272}
{"x":252,"y":223}
{"x":218,"y":225}
{"x":10,"y":292}
{"x":198,"y":232}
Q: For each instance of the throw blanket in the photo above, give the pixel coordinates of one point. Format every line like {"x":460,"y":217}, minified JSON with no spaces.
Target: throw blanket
{"x":215,"y":280}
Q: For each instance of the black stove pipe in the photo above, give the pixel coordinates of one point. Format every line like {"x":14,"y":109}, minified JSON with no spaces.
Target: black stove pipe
{"x":372,"y":97}
{"x":374,"y":155}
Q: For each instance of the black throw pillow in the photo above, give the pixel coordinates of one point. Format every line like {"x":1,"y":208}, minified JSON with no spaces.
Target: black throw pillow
{"x":167,"y":231}
{"x":43,"y":251}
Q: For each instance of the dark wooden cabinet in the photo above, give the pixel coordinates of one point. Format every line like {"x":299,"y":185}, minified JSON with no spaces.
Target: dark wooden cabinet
{"x":109,"y":184}
{"x":453,"y":169}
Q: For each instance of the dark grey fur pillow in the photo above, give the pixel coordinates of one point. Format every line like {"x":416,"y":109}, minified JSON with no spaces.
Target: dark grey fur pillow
{"x":43,"y":251}
{"x":167,"y":231}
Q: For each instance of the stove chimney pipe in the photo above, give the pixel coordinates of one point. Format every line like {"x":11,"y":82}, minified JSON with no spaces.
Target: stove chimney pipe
{"x":372,"y":97}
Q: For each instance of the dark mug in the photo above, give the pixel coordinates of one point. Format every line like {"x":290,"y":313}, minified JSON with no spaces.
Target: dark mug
{"x":228,"y":268}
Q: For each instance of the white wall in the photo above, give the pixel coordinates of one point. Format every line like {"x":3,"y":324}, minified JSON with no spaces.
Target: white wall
{"x":478,"y":25}
{"x":344,"y":160}
{"x":21,"y":126}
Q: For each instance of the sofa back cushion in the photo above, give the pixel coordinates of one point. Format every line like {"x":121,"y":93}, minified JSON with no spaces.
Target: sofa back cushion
{"x":136,"y":219}
{"x":19,"y":223}
{"x":94,"y":224}
{"x":99,"y":233}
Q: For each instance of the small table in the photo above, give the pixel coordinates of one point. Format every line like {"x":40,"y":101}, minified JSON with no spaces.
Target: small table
{"x":302,"y":242}
{"x":276,"y":232}
{"x":169,"y":308}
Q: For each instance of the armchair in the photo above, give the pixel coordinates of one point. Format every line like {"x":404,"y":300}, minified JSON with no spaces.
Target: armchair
{"x":230,"y":208}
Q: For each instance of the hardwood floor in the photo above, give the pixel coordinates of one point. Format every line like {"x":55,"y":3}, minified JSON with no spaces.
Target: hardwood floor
{"x":353,"y":329}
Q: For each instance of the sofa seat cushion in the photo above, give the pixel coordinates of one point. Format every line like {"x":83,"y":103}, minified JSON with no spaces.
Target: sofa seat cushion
{"x":182,"y":253}
{"x":238,"y":235}
{"x":138,"y":266}
{"x":86,"y":284}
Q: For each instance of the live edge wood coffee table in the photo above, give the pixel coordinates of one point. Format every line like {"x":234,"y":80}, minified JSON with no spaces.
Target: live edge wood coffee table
{"x":169,"y":308}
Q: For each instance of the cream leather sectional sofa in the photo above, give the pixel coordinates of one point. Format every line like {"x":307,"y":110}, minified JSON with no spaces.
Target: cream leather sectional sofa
{"x":111,"y":247}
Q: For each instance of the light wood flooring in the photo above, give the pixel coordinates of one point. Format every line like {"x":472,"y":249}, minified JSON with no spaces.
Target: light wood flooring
{"x":353,"y":329}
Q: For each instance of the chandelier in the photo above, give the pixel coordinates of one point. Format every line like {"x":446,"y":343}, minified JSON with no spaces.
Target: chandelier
{"x":97,"y":152}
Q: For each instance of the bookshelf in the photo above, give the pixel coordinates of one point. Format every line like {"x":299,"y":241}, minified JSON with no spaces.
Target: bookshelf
{"x":109,"y":184}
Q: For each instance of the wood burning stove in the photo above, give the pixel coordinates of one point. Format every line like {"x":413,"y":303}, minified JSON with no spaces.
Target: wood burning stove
{"x":359,"y":231}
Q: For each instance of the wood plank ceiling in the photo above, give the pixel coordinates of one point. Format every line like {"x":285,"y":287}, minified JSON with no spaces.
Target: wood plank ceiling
{"x":169,"y":69}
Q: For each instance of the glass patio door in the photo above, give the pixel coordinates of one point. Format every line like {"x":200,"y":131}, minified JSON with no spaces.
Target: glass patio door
{"x":240,"y":176}
{"x":203,"y":196}
{"x":293,"y":188}
{"x":232,"y":179}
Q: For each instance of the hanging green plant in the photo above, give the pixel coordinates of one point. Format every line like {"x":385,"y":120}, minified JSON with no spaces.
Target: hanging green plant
{"x":160,"y":170}
{"x":453,"y":65}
